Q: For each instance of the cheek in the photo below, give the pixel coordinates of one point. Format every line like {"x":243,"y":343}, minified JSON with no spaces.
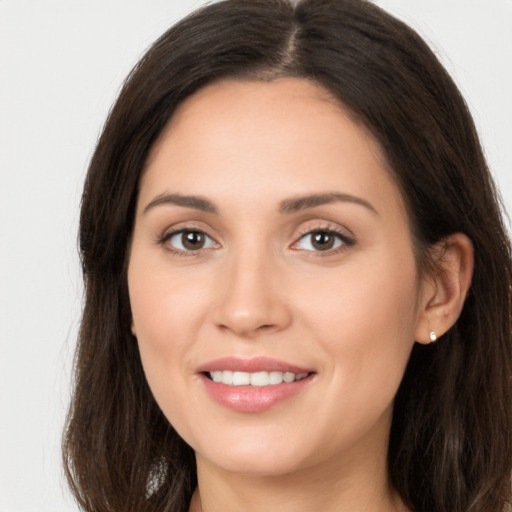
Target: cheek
{"x":167,"y":316}
{"x":167,"y":312}
{"x":166,"y":303}
{"x":364,"y":320}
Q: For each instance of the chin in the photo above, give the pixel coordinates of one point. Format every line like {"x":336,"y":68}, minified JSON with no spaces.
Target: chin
{"x":256,"y":463}
{"x":275,"y":452}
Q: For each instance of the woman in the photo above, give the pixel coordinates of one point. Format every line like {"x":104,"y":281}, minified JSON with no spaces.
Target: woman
{"x":297,"y":277}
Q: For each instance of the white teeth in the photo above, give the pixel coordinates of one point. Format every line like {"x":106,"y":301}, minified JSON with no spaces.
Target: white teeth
{"x":227,"y":378}
{"x":288,"y":377}
{"x":241,"y":379}
{"x":258,"y":379}
{"x":275,"y":377}
{"x":216,"y":376}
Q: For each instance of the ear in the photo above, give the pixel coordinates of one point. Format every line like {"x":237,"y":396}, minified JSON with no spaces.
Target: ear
{"x":444,"y":290}
{"x":132,"y":327}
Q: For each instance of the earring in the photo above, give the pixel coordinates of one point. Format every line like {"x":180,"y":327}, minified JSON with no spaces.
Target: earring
{"x":433,"y":336}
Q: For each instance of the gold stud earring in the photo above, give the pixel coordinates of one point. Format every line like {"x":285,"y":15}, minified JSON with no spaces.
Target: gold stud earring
{"x":433,"y":336}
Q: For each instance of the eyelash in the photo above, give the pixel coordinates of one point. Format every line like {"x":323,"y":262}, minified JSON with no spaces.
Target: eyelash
{"x":166,"y":237}
{"x":345,"y":241}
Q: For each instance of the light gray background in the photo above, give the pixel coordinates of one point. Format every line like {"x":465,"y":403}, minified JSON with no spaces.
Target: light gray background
{"x":61,"y":65}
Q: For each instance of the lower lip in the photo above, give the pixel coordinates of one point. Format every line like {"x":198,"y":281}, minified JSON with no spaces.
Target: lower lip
{"x":253,"y":398}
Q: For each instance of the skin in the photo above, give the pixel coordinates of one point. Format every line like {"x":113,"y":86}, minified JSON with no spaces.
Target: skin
{"x":258,"y":287}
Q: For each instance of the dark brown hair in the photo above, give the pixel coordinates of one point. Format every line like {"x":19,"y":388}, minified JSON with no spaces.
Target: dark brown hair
{"x":451,"y":437}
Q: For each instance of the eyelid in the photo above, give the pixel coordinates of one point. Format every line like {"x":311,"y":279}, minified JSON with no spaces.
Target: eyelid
{"x":324,"y":225}
{"x":344,"y":234}
{"x":347,"y":239}
{"x":164,"y":238}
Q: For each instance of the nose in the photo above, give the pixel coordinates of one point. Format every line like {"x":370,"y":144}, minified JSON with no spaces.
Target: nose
{"x":251,"y":299}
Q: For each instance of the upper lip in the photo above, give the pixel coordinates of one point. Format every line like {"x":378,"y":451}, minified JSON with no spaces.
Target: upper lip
{"x":252,"y":365}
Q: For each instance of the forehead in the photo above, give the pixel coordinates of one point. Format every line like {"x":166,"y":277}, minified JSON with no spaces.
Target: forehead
{"x":283,"y":110}
{"x":288,"y":136}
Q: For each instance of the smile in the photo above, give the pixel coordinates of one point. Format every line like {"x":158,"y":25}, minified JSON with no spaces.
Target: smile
{"x":259,"y":379}
{"x":253,"y":385}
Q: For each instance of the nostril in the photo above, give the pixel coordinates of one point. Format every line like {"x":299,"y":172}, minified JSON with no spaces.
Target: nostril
{"x":248,"y":315}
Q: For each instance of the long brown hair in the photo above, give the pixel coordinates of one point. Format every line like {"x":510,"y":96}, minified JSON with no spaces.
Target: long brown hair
{"x":451,"y":437}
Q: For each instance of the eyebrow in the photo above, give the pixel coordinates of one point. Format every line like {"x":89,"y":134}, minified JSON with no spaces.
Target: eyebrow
{"x":195,"y":202}
{"x":311,"y":201}
{"x":287,"y":206}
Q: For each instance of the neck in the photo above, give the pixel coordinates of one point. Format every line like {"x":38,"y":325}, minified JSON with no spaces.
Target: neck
{"x":357,"y":484}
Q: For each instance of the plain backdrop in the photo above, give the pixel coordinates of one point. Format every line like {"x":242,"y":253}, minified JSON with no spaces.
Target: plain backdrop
{"x":61,"y":66}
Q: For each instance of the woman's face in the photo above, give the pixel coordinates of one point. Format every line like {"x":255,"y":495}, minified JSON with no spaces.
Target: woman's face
{"x":272,"y":247}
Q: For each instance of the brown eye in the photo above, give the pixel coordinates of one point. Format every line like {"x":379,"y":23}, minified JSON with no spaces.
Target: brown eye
{"x":321,"y":241}
{"x":190,"y":240}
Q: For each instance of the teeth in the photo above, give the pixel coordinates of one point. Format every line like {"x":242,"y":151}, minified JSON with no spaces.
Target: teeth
{"x":258,"y":379}
{"x":288,"y":377}
{"x":241,"y":379}
{"x":216,"y":376}
{"x":275,"y":377}
{"x":227,"y":378}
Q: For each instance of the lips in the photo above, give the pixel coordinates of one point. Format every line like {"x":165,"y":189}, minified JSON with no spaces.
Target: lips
{"x":252,"y":385}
